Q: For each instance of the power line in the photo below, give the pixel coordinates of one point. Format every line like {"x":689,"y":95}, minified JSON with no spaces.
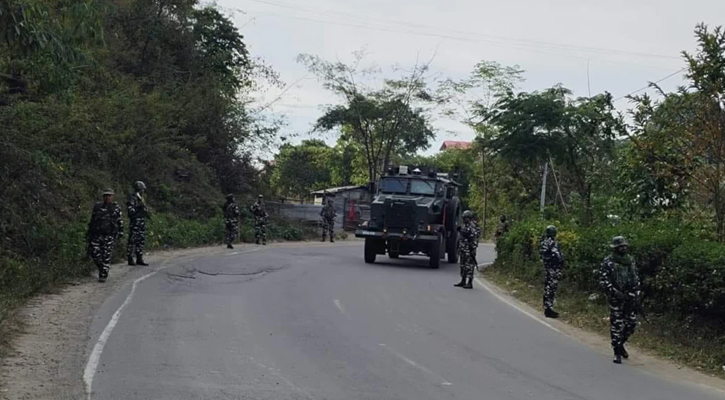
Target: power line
{"x":500,"y":39}
{"x":650,"y":85}
{"x":456,"y":38}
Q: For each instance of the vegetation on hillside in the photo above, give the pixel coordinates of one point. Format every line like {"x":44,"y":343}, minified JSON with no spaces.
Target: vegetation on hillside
{"x":97,"y":94}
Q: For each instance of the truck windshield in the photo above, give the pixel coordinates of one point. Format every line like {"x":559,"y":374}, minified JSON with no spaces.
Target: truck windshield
{"x":425,"y":188}
{"x":394,"y":185}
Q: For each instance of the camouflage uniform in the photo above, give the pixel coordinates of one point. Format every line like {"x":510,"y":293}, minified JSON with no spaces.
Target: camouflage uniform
{"x":553,"y":262}
{"x":261,"y":218}
{"x":328,"y":215}
{"x":231,"y":221}
{"x":619,"y":280}
{"x":503,"y":227}
{"x":467,"y":246}
{"x":105,"y":227}
{"x":137,"y":215}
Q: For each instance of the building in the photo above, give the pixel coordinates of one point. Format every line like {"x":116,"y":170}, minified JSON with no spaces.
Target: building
{"x":355,"y":193}
{"x":453,"y":144}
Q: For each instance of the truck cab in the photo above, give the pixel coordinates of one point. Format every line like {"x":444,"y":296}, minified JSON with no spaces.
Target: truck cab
{"x":415,"y":211}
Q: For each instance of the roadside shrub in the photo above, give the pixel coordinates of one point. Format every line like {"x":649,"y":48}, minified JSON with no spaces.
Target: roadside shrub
{"x":694,"y":279}
{"x":681,"y":272}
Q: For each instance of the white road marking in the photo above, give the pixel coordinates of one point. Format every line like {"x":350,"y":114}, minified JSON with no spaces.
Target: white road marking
{"x":233,"y":253}
{"x":514,"y":305}
{"x":95,"y":357}
{"x":417,"y":366}
{"x":340,"y":307}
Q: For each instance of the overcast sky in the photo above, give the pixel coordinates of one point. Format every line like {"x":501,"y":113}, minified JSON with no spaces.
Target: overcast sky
{"x":627,"y":43}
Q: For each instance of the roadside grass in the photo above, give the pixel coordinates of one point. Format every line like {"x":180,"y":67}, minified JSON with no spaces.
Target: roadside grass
{"x":683,"y":341}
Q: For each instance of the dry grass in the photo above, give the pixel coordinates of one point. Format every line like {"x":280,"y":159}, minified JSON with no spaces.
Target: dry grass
{"x":683,"y":341}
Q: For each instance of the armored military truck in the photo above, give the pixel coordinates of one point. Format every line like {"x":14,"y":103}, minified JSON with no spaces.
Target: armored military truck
{"x":415,"y":211}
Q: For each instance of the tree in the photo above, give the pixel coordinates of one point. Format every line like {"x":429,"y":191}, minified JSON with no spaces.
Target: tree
{"x":384,"y":122}
{"x":684,"y":134}
{"x":540,"y":127}
{"x":303,"y":168}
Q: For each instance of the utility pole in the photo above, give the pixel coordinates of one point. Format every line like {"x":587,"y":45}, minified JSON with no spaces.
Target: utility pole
{"x":543,"y":188}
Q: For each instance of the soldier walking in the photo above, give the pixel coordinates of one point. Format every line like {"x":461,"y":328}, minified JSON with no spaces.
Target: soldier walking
{"x":620,"y":282}
{"x":467,"y":246}
{"x":105,"y":227}
{"x":231,"y":220}
{"x":260,"y":220}
{"x":553,"y":264}
{"x":328,"y":215}
{"x":137,"y":215}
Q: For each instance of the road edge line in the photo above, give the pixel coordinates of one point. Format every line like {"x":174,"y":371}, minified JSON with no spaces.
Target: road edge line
{"x":512,"y":303}
{"x":94,"y":359}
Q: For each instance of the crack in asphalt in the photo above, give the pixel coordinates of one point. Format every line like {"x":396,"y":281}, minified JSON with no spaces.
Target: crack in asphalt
{"x":263,"y":271}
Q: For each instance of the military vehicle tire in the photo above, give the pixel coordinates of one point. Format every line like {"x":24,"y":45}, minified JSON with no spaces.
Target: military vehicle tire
{"x":370,"y":251}
{"x":392,"y":254}
{"x":435,"y":253}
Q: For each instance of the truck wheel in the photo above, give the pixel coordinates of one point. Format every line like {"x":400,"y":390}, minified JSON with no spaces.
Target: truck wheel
{"x":452,"y":247}
{"x":435,"y":253}
{"x":370,"y":250}
{"x":393,"y":254}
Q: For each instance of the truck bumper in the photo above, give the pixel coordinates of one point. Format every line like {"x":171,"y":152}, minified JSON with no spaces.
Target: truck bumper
{"x":362,"y":233}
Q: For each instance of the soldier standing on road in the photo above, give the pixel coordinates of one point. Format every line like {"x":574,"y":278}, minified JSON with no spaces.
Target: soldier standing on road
{"x":328,"y":215}
{"x":553,"y":264}
{"x":619,"y":280}
{"x":105,"y":227}
{"x":260,"y":220}
{"x":137,"y":215}
{"x":467,"y":246}
{"x":231,"y":220}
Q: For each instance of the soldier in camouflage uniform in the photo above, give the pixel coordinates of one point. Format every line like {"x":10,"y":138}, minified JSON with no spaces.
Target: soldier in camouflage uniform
{"x":328,"y":215}
{"x":137,"y":215}
{"x":468,"y":235}
{"x":503,"y":227}
{"x":619,"y":280}
{"x":553,"y":264}
{"x":261,"y":218}
{"x":105,"y":227}
{"x":231,"y":220}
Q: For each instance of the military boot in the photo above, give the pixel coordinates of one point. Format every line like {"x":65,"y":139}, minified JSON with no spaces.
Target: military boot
{"x":332,"y":240}
{"x":469,"y":285}
{"x":264,"y":242}
{"x":257,"y":241}
{"x":617,"y":356}
{"x":323,"y":238}
{"x":549,"y":313}
{"x":229,"y":246}
{"x":462,"y":283}
{"x":131,"y":261}
{"x":140,"y":261}
{"x":623,"y":351}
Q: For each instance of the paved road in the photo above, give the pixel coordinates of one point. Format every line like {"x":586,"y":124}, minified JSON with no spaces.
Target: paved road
{"x":314,"y":321}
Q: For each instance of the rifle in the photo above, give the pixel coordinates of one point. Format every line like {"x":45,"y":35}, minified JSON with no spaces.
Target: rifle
{"x":639,"y":307}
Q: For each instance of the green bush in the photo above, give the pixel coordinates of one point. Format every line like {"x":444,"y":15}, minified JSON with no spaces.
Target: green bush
{"x":681,"y":272}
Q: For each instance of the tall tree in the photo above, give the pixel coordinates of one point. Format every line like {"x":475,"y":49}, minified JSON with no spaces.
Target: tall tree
{"x":686,"y":130}
{"x":384,"y":122}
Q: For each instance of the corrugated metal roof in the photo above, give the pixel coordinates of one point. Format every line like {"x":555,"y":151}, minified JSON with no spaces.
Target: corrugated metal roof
{"x":337,"y":189}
